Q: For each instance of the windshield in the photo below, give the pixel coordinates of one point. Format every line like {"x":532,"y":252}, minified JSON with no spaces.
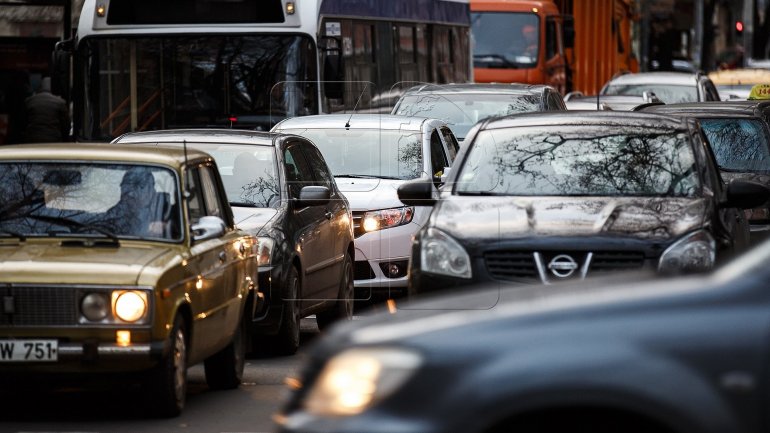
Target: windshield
{"x":738,"y":144}
{"x":580,"y":160}
{"x":669,"y":94}
{"x":462,"y":111}
{"x":248,"y":173}
{"x":505,"y":39}
{"x":385,"y":154}
{"x":166,"y":81}
{"x":88,"y":199}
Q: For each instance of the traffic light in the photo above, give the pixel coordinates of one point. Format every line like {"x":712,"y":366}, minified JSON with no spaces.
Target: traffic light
{"x":739,"y":27}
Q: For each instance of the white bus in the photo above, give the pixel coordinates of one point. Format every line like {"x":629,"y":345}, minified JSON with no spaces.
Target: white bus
{"x":155,"y":64}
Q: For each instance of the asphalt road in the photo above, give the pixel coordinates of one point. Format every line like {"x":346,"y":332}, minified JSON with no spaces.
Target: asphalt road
{"x":102,"y":407}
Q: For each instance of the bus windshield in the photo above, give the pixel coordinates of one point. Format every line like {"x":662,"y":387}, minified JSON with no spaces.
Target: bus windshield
{"x":505,"y":39}
{"x":170,"y":81}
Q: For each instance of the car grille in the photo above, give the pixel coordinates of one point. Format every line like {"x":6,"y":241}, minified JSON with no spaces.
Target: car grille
{"x":358,"y":227}
{"x":522,"y":265}
{"x":37,"y":306}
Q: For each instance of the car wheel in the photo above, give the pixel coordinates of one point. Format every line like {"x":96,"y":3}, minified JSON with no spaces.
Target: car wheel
{"x":343,"y":308}
{"x":287,"y":340}
{"x":224,"y":369}
{"x":168,"y":381}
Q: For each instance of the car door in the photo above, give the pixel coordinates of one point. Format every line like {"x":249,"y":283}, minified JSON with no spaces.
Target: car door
{"x":310,"y":237}
{"x":337,"y":228}
{"x":210,"y":264}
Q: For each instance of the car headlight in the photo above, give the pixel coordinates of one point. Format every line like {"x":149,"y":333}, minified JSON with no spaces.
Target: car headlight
{"x":130,"y":306}
{"x":264,"y":250}
{"x":356,"y":379}
{"x":95,"y":306}
{"x":695,"y":252}
{"x":387,"y":218}
{"x":440,"y":254}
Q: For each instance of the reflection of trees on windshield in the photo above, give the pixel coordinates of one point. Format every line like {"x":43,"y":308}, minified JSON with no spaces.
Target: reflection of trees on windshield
{"x":591,"y":163}
{"x":262,"y":191}
{"x":410,"y":157}
{"x":738,"y":144}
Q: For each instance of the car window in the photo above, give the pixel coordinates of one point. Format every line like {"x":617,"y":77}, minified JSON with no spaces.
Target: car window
{"x":739,"y":144}
{"x":437,"y":157}
{"x":462,"y":110}
{"x":711,"y":92}
{"x":551,"y":46}
{"x":89,"y":199}
{"x":298,"y":173}
{"x":248,"y":173}
{"x":555,"y":102}
{"x":451,"y":142}
{"x":195,"y":207}
{"x":580,"y":160}
{"x":668,"y":93}
{"x":211,"y":197}
{"x":318,"y":166}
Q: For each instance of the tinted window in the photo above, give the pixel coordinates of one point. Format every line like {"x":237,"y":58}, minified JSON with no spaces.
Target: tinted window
{"x":298,"y":173}
{"x":86,"y":199}
{"x":378,"y":153}
{"x":317,"y":164}
{"x":437,"y":156}
{"x":462,"y":110}
{"x":669,"y":94}
{"x":738,"y":144}
{"x":579,"y":160}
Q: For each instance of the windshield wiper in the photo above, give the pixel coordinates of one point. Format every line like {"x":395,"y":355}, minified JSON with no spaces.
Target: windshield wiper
{"x":13,"y":233}
{"x":495,"y":58}
{"x":244,"y":204}
{"x":366,"y":176}
{"x":72,"y":223}
{"x":485,"y":193}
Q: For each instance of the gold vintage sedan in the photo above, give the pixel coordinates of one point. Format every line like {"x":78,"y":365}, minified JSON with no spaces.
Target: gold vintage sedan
{"x":118,"y":259}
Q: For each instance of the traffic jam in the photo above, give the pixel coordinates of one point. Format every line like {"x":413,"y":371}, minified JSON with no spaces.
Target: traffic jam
{"x":427,"y":216}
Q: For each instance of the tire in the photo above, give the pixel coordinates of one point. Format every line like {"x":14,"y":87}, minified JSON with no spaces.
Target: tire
{"x":167,"y":383}
{"x":224,"y":369}
{"x":343,"y":308}
{"x":286,"y":342}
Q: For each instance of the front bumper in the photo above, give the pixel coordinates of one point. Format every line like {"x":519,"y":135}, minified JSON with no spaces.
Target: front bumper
{"x":375,"y":252}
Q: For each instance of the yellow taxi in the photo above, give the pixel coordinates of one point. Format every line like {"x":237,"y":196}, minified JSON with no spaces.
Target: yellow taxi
{"x":116,"y":259}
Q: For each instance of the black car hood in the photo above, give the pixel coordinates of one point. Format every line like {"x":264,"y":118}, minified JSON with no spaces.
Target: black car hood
{"x":252,"y":219}
{"x":474,"y":217}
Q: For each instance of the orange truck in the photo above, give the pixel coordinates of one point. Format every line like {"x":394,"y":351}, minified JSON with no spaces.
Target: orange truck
{"x":568,"y":44}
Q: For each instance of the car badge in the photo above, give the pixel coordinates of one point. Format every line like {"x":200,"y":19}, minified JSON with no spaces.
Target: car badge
{"x":563,"y":266}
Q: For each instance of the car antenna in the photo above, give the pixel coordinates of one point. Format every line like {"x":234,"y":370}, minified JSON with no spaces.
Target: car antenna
{"x":347,"y":124}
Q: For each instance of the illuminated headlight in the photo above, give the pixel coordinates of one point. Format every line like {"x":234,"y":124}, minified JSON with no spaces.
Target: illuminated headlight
{"x":387,"y":218}
{"x":130,"y":306}
{"x":440,"y":254}
{"x":264,"y":250}
{"x":357,"y":379}
{"x":95,"y":306}
{"x":695,"y":252}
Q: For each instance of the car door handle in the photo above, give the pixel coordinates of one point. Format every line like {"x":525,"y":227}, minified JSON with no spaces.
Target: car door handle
{"x":222,"y":256}
{"x":328,"y":215}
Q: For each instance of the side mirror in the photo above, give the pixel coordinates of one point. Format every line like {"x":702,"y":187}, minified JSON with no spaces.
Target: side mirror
{"x":445,"y":174}
{"x":417,"y":192}
{"x":208,"y":227}
{"x":313,"y":196}
{"x":745,"y":194}
{"x":568,"y":28}
{"x":334,"y":72}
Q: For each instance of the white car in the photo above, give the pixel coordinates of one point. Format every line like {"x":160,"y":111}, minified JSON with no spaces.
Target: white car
{"x":370,"y":155}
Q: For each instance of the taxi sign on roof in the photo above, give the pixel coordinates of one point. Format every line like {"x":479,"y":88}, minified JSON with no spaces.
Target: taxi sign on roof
{"x":760,"y":91}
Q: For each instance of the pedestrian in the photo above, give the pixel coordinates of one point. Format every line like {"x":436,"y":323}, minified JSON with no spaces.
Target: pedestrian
{"x":46,"y":115}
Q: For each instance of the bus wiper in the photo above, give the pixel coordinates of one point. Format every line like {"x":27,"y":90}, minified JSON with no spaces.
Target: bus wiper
{"x":494,"y":58}
{"x":72,"y":223}
{"x":13,"y":233}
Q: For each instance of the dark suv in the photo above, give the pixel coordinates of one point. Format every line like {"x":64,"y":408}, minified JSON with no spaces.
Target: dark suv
{"x":551,"y":196}
{"x":281,"y":191}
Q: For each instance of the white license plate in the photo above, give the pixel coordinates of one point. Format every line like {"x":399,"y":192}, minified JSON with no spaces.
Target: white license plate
{"x":29,"y":350}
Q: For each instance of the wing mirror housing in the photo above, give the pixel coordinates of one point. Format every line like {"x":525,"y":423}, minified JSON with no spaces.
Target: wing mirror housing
{"x":745,"y":194}
{"x":417,"y":192}
{"x":208,"y":227}
{"x":313,"y":196}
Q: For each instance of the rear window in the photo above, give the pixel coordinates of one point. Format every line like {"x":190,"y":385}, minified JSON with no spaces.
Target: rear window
{"x":738,"y":144}
{"x":670,"y":94}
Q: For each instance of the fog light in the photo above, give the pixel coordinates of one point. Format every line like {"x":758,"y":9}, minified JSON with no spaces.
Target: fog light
{"x":95,"y":306}
{"x":394,"y":269}
{"x":123,"y":338}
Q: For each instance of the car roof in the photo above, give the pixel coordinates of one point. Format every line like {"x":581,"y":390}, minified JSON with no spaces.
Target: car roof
{"x":700,"y":109}
{"x":581,"y":117}
{"x":161,"y":155}
{"x":740,"y":76}
{"x":216,"y":136}
{"x":480,"y":88}
{"x":606,"y":102}
{"x":354,"y":121}
{"x":676,"y":78}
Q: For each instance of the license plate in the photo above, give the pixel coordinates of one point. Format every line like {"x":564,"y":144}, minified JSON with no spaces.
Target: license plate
{"x":29,"y":350}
